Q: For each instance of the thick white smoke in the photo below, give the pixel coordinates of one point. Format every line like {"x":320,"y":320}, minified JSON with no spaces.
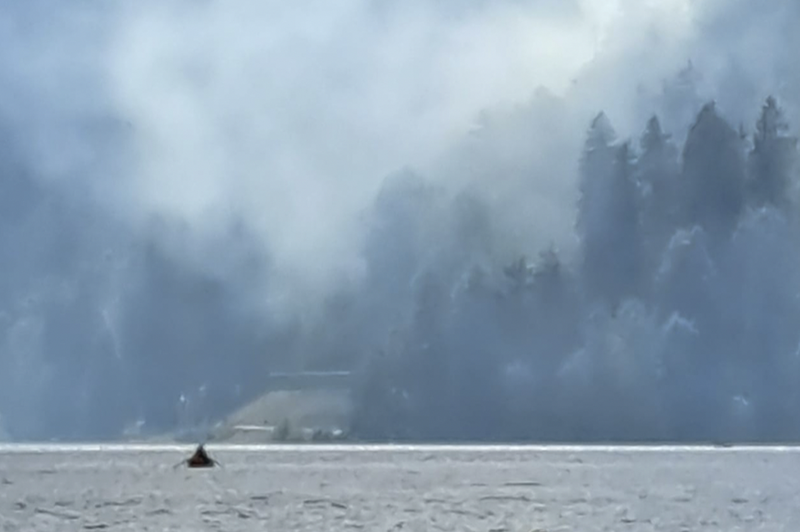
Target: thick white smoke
{"x":287,"y":116}
{"x":290,"y":115}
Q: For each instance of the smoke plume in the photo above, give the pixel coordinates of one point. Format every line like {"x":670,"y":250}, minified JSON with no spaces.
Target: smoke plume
{"x":465,"y":202}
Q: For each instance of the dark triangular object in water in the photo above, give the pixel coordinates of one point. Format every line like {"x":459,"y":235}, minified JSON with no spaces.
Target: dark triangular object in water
{"x":200,"y":458}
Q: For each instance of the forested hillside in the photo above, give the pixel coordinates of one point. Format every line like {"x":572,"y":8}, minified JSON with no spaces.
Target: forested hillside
{"x":425,"y":193}
{"x":676,"y":320}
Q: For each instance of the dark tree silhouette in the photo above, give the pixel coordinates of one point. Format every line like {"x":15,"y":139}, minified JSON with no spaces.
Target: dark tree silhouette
{"x":773,"y":159}
{"x":713,"y":181}
{"x":657,"y":171}
{"x":608,"y":217}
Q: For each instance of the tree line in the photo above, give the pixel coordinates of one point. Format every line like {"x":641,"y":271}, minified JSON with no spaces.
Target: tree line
{"x":677,"y":320}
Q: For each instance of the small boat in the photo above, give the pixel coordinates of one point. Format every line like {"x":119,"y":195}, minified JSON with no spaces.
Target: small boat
{"x":200,"y":458}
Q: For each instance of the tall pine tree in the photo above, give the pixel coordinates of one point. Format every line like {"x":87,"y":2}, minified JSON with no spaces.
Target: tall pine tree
{"x":713,"y":183}
{"x":608,"y":221}
{"x":773,"y":158}
{"x":657,"y":173}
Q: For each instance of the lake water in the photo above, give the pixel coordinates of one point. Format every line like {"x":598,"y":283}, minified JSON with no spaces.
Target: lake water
{"x":398,"y":488}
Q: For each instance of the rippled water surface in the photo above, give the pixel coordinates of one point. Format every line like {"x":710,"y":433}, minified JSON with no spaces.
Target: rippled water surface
{"x":389,"y":488}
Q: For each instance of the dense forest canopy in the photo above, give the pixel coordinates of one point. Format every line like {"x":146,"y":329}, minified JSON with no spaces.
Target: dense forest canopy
{"x":676,"y":320}
{"x":501,"y":242}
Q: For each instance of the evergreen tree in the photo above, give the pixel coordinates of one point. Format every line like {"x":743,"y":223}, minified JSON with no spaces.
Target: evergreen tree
{"x":608,"y":223}
{"x":596,"y":169}
{"x":556,"y":312}
{"x":773,"y":158}
{"x":596,"y":166}
{"x":713,"y":183}
{"x":394,"y":247}
{"x":656,"y":172}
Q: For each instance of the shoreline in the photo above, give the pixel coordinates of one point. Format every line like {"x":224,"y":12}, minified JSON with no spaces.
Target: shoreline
{"x":361,"y":446}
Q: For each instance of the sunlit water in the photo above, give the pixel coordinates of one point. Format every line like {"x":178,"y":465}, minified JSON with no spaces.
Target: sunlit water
{"x":393,"y":488}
